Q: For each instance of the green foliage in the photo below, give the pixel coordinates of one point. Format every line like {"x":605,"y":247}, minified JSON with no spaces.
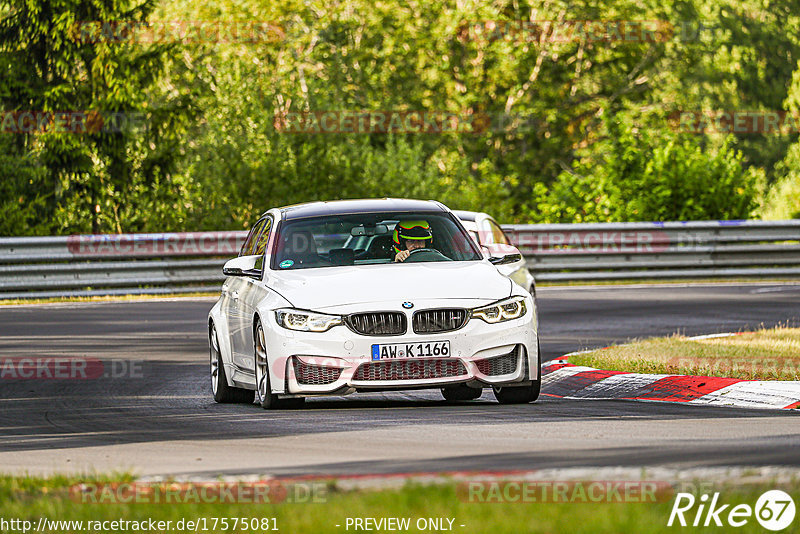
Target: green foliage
{"x":641,"y":177}
{"x":97,"y":180}
{"x":22,"y":186}
{"x":596,"y":147}
{"x":783,"y":199}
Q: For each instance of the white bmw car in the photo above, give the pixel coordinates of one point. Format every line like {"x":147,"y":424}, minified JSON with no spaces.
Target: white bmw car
{"x":331,"y":298}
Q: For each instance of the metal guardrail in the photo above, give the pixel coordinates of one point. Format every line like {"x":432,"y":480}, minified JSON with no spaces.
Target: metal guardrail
{"x":187,"y":262}
{"x":700,"y":249}
{"x":85,"y":265}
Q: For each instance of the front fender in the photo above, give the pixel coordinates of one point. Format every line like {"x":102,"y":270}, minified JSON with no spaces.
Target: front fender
{"x":265,"y":312}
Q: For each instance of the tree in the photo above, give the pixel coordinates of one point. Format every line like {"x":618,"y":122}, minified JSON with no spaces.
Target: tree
{"x":52,"y":65}
{"x":646,"y":177}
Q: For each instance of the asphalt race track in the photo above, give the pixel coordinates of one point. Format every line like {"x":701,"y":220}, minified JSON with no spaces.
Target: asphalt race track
{"x":158,"y":418}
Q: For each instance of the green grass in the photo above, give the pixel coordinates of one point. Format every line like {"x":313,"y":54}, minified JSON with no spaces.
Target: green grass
{"x":31,"y":498}
{"x":770,"y":354}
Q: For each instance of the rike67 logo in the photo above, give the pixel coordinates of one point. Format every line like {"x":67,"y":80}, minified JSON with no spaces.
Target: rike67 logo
{"x":774,"y":510}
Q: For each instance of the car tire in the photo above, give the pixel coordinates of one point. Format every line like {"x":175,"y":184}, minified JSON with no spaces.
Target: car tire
{"x":263,"y":393}
{"x":222,"y":392}
{"x":461,"y":392}
{"x":521,"y":394}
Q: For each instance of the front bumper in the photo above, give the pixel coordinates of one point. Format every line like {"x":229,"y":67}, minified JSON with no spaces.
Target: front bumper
{"x":339,"y":361}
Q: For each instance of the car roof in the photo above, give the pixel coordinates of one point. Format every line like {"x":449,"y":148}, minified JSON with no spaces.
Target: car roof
{"x":467,"y":215}
{"x":345,"y":207}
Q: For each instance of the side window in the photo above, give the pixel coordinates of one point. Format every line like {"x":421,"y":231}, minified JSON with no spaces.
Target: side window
{"x":261,"y":242}
{"x":250,"y":242}
{"x":497,"y":233}
{"x":486,"y":233}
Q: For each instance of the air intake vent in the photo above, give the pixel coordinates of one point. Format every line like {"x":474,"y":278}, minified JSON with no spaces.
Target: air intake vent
{"x":442,"y":320}
{"x":315,"y":375}
{"x":419,"y":369}
{"x":377,"y":323}
{"x":499,"y":365}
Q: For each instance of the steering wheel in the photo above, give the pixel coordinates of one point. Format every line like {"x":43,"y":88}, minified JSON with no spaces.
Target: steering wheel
{"x":425,"y":254}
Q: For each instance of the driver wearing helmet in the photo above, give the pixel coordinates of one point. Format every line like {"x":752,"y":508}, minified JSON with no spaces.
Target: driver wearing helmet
{"x":409,"y":236}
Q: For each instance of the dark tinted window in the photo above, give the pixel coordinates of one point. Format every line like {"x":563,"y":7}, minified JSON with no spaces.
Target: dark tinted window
{"x":329,"y":241}
{"x":249,"y":245}
{"x":263,"y":237}
{"x":497,"y":233}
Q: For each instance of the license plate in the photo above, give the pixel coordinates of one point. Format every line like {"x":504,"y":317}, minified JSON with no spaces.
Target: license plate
{"x":425,"y":349}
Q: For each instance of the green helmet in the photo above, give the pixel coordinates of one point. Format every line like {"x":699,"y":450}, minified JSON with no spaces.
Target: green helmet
{"x":415,"y":230}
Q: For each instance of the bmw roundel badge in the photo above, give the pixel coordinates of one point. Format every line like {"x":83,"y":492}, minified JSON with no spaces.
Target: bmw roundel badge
{"x":408,"y":305}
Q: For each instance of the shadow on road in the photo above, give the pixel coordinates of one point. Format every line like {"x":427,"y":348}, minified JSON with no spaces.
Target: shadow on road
{"x":171,"y":401}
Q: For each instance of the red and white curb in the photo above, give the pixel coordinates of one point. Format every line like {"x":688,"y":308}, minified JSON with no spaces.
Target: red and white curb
{"x":563,"y":379}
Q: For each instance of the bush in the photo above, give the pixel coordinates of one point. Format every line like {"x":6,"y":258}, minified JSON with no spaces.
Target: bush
{"x":638,"y":176}
{"x":783,"y":199}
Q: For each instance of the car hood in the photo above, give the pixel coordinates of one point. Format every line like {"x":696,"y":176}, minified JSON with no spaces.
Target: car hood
{"x":326,"y":287}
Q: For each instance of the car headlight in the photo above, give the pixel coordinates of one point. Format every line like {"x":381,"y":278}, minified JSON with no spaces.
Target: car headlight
{"x":306,"y":321}
{"x":505,"y":310}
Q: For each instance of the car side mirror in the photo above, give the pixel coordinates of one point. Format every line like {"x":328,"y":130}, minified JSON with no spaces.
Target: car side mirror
{"x":244,"y":266}
{"x":501,"y":254}
{"x":503,"y":260}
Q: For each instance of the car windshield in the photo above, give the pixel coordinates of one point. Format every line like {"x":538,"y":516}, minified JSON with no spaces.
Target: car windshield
{"x":367,"y":238}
